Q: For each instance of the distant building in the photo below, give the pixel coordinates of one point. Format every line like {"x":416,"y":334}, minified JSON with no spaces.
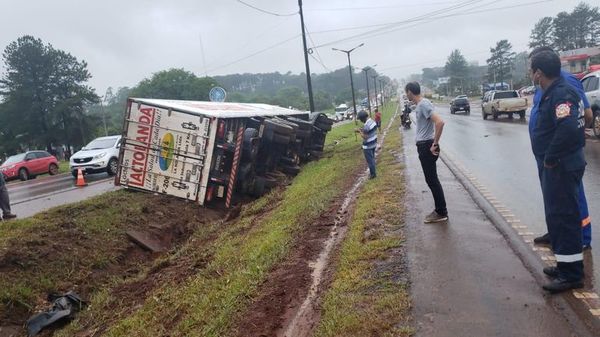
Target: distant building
{"x":580,"y":61}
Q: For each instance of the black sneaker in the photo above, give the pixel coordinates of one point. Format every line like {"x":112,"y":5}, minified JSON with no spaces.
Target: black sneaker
{"x":551,"y":271}
{"x":435,"y":217}
{"x":9,"y":216}
{"x":560,"y":284}
{"x":542,"y":240}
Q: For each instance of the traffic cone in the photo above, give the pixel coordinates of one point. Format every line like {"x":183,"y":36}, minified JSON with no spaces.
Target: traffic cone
{"x":80,"y":180}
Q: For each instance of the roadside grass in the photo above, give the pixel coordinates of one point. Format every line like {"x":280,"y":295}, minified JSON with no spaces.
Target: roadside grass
{"x":63,"y":166}
{"x":367,"y":297}
{"x":208,"y":302}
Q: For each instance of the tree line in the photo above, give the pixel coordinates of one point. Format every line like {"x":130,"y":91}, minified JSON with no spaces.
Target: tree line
{"x":46,"y":103}
{"x":578,"y":29}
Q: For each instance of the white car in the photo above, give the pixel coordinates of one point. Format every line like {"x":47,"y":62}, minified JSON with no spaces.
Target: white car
{"x":100,"y":155}
{"x":341,"y":112}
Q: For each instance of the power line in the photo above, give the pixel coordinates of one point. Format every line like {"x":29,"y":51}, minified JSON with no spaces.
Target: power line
{"x":310,"y":50}
{"x":265,"y":11}
{"x":365,"y":34}
{"x":249,"y":41}
{"x":255,"y":53}
{"x":422,"y":20}
{"x":379,"y":7}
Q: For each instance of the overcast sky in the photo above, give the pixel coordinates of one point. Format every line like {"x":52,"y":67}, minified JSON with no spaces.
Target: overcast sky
{"x":126,"y":41}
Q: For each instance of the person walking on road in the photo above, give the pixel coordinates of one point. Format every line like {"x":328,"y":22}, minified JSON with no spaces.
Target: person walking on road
{"x":429,"y":131}
{"x":584,"y":119}
{"x":558,"y":140}
{"x":369,"y":136}
{"x":4,"y":200}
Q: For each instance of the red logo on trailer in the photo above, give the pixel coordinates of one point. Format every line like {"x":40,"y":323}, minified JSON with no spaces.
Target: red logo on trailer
{"x":140,"y":154}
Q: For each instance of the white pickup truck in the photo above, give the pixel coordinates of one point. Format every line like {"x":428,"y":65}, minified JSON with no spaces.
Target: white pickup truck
{"x":506,"y":102}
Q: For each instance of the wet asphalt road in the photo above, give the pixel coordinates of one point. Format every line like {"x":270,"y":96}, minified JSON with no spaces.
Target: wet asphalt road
{"x":465,"y":279}
{"x":498,"y":153}
{"x":33,"y":196}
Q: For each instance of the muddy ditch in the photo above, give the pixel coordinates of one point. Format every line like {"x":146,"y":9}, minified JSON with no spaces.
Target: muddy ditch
{"x":288,"y":304}
{"x":60,"y":254}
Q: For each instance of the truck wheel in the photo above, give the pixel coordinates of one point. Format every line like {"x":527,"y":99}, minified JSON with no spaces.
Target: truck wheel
{"x":278,"y":127}
{"x":323,"y":126}
{"x":250,"y":145}
{"x":522,"y":115}
{"x":292,"y":170}
{"x":495,"y":114}
{"x":281,"y":139}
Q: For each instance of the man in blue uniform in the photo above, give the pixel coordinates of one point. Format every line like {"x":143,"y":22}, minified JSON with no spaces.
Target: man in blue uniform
{"x":586,"y":224}
{"x":557,"y":138}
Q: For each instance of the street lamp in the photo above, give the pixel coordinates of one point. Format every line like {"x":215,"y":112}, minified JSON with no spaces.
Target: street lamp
{"x":375,"y":83}
{"x":351,"y":80}
{"x":366,"y":70}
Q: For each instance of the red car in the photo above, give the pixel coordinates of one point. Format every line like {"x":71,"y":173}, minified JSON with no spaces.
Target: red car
{"x":29,"y":164}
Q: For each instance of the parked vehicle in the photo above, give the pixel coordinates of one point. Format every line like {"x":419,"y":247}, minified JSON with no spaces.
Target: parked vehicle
{"x":224,"y":148}
{"x":460,"y":103}
{"x":341,"y":112}
{"x":591,"y":85}
{"x":28,"y":165}
{"x":508,"y":102}
{"x":100,"y":155}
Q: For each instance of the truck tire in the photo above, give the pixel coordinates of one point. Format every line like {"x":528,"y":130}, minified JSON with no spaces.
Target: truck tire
{"x":495,"y":114}
{"x":323,"y":126}
{"x":250,"y":145}
{"x":281,"y":139}
{"x":292,"y":170}
{"x":278,"y":127}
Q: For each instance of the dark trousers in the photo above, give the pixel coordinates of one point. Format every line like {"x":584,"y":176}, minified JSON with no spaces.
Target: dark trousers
{"x":428,"y":163}
{"x":4,"y":201}
{"x":560,"y":187}
{"x":370,"y":157}
{"x":586,"y":224}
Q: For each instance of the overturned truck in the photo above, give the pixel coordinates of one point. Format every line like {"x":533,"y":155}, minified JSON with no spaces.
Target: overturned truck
{"x":207,"y":152}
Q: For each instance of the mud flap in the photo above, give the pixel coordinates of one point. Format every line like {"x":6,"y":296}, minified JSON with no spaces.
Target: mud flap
{"x":63,"y":307}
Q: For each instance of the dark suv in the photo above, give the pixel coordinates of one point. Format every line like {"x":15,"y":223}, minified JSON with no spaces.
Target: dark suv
{"x":460,"y":103}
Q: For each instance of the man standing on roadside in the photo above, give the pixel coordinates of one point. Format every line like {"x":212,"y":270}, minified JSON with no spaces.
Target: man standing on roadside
{"x":369,"y":135}
{"x":557,"y":139}
{"x":4,"y":200}
{"x":429,"y":131}
{"x":378,"y":119}
{"x":586,"y":119}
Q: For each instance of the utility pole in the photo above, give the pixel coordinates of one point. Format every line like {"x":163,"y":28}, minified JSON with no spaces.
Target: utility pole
{"x":351,"y":80}
{"x":381,"y":87}
{"x":311,"y":101}
{"x":375,"y":83}
{"x":366,"y":70}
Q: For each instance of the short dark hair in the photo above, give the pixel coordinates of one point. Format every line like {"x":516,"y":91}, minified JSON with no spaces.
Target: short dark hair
{"x":413,"y":87}
{"x":548,"y":62}
{"x":540,"y":49}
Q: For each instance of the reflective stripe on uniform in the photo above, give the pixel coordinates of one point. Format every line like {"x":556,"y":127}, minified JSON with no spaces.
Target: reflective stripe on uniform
{"x":586,"y":221}
{"x":569,"y":258}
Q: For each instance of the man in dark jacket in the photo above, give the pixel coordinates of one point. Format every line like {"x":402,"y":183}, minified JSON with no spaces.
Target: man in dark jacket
{"x":559,"y":141}
{"x":4,"y":200}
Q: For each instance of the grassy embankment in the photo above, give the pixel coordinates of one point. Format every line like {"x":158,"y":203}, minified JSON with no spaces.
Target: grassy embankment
{"x":367,"y":297}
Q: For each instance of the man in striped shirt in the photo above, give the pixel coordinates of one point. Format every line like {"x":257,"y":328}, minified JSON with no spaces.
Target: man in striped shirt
{"x":369,"y":135}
